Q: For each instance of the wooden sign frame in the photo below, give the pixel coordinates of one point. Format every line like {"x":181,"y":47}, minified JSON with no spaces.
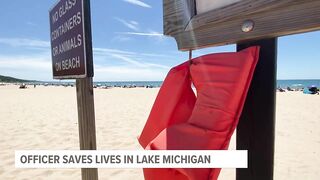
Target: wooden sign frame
{"x":81,"y":50}
{"x":271,"y":18}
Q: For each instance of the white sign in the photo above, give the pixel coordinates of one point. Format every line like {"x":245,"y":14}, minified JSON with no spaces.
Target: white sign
{"x":131,"y":159}
{"x":207,"y":5}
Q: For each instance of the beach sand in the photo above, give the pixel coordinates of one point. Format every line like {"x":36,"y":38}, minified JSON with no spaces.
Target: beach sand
{"x":45,"y":118}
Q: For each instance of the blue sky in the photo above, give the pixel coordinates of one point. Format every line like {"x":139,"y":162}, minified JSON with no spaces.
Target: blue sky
{"x":128,"y":43}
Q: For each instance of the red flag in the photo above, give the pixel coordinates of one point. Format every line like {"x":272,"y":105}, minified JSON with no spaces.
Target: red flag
{"x":181,"y":121}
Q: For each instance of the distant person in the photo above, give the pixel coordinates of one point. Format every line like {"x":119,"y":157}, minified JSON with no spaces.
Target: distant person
{"x":313,"y":90}
{"x":289,"y":89}
{"x":22,"y":86}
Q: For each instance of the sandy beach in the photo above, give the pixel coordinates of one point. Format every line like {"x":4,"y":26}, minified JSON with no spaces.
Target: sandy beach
{"x":45,"y":118}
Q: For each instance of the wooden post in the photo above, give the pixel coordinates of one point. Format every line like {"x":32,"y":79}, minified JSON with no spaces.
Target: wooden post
{"x":86,"y":121}
{"x":190,"y":54}
{"x":256,"y":128}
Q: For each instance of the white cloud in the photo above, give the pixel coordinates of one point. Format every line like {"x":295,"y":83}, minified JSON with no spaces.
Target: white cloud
{"x":31,"y":23}
{"x":121,"y":38}
{"x":21,"y":42}
{"x":138,"y":3}
{"x":137,"y":63}
{"x":25,"y":62}
{"x":154,"y":35}
{"x":110,"y":64}
{"x":128,"y":73}
{"x":130,"y":24}
{"x":150,"y":34}
{"x":133,"y":66}
{"x":134,"y":22}
{"x":26,"y":67}
{"x":128,"y":60}
{"x":109,"y":51}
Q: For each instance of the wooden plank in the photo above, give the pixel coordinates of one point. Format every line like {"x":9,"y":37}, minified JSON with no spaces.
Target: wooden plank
{"x":272,"y":19}
{"x":177,"y":14}
{"x":255,"y":131}
{"x":242,"y":8}
{"x":86,"y":121}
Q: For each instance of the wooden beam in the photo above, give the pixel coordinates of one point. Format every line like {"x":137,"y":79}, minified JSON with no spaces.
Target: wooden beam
{"x":86,"y":121}
{"x":242,"y":8}
{"x":256,"y":128}
{"x":272,"y":18}
{"x":177,"y":14}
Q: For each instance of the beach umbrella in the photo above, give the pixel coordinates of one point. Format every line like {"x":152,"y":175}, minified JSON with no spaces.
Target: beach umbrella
{"x":179,"y":120}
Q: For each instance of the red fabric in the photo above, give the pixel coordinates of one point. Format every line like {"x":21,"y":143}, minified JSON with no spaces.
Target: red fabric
{"x":181,"y":121}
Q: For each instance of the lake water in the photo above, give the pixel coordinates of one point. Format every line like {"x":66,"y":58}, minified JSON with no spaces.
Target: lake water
{"x":280,"y":83}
